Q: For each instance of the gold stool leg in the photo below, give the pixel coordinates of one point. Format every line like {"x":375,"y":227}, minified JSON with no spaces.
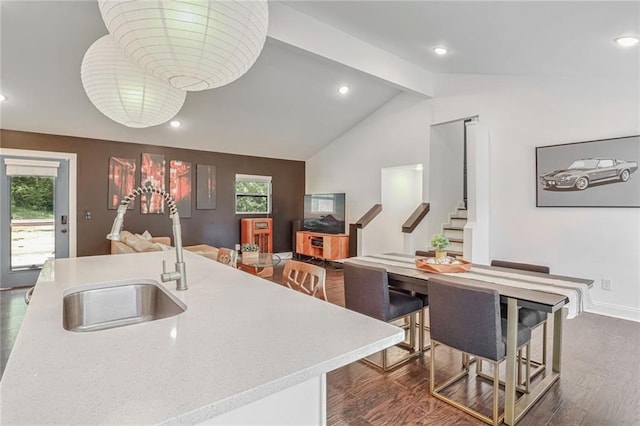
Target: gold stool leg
{"x":528,"y":369}
{"x":421,"y":331}
{"x":544,"y":342}
{"x":496,"y":387}
{"x":432,"y":374}
{"x":519,"y":360}
{"x":412,"y":332}
{"x":387,"y":364}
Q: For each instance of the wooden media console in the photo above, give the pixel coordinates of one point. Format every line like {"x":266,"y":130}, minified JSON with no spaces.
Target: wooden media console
{"x":322,"y":246}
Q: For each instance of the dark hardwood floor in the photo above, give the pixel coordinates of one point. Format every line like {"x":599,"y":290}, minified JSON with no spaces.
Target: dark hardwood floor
{"x":600,"y":383}
{"x":12,"y":310}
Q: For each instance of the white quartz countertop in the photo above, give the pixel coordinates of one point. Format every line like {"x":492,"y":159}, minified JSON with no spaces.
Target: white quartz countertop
{"x":240,"y":339}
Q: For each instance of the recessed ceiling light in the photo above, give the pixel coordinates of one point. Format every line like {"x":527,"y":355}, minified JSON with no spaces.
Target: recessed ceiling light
{"x":175,"y":124}
{"x":627,"y":41}
{"x":440,"y":50}
{"x":343,"y":90}
{"x":3,"y":98}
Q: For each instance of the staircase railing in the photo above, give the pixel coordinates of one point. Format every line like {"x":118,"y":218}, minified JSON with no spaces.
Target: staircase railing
{"x":416,"y":217}
{"x":354,"y":228}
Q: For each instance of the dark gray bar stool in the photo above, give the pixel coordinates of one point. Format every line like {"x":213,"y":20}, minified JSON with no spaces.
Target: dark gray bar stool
{"x":529,"y":317}
{"x":422,"y":322}
{"x":425,"y":303}
{"x":468,"y":319}
{"x":366,"y":290}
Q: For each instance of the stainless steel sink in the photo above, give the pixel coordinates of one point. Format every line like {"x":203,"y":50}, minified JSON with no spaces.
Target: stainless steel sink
{"x":112,"y":305}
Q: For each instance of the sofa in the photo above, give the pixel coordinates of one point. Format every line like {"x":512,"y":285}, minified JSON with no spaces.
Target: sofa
{"x":145,"y":242}
{"x":138,"y":243}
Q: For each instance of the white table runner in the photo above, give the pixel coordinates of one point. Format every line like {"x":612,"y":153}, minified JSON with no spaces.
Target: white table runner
{"x":577,"y":293}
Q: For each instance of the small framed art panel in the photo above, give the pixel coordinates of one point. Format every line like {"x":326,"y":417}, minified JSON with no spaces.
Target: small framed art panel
{"x":180,"y":186}
{"x":205,"y":187}
{"x":152,"y":174}
{"x":122,"y":180}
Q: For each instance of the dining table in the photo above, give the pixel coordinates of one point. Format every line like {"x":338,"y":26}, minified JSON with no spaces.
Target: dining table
{"x":542,"y":292}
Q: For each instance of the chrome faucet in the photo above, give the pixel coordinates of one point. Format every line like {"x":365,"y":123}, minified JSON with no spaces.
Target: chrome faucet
{"x":180,"y":274}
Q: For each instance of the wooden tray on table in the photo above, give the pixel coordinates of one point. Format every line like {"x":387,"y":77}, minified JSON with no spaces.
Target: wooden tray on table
{"x":438,"y":268}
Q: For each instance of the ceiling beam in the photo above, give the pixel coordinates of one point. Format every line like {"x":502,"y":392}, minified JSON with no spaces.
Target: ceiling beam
{"x":307,"y":33}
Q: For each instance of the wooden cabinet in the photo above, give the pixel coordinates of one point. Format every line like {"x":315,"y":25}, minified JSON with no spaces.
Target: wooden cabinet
{"x":322,"y":246}
{"x":258,"y":231}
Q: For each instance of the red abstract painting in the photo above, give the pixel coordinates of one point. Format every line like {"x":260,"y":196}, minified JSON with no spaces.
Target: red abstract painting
{"x":180,"y":186}
{"x":122,"y":180}
{"x":152,"y":174}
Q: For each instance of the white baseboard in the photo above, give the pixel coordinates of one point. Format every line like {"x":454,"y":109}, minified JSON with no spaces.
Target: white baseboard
{"x":616,"y":311}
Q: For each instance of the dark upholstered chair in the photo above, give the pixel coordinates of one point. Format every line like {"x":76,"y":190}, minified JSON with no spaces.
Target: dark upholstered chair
{"x":366,"y":290}
{"x":529,"y":317}
{"x":425,"y":303}
{"x":429,"y":253}
{"x":521,"y":266}
{"x":422,"y":322}
{"x":467,"y":319}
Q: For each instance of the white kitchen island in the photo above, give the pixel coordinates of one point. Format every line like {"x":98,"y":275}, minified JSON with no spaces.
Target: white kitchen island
{"x":245,"y":351}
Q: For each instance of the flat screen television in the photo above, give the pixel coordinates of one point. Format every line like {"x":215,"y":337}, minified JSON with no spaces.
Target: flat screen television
{"x":324,"y":213}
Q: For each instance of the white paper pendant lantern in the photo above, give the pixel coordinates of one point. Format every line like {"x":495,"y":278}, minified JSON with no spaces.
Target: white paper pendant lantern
{"x":193,"y":45}
{"x":123,"y":92}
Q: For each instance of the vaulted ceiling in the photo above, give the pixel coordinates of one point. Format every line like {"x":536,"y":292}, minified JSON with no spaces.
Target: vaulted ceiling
{"x":287,"y":105}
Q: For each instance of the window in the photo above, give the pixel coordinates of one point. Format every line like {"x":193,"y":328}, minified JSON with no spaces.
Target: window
{"x":253,"y":194}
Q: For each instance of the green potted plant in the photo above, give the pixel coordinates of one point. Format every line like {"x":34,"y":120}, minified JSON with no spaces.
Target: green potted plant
{"x":250,"y":252}
{"x":439,"y":243}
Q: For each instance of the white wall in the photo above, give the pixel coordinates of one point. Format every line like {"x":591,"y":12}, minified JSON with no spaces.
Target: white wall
{"x":446,"y":169}
{"x":401,"y":195}
{"x":521,"y":113}
{"x":394,"y":135}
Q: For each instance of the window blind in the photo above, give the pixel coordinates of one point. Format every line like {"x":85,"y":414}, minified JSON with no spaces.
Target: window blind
{"x":20,"y":167}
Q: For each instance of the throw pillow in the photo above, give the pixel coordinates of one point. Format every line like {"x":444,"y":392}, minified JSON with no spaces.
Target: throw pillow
{"x":140,"y":244}
{"x":146,"y":235}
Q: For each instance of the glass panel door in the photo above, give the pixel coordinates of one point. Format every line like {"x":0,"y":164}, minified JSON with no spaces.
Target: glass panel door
{"x":32,"y":221}
{"x":34,"y":211}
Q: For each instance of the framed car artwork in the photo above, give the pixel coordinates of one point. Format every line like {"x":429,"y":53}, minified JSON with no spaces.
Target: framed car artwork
{"x":601,"y":173}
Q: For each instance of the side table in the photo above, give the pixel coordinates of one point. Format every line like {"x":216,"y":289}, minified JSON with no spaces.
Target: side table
{"x":262,"y":266}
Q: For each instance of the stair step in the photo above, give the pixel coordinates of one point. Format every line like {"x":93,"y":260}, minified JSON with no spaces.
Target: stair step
{"x":455,"y":246}
{"x":453,"y":232}
{"x":457,"y":221}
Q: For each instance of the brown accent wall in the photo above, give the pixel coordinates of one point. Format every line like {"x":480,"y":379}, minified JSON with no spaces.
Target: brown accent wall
{"x":220,"y":227}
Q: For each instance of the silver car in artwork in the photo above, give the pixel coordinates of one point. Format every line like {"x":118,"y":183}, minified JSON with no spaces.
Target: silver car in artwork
{"x":582,"y":173}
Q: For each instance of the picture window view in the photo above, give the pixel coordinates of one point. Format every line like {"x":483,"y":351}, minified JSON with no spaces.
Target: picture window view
{"x":32,"y":221}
